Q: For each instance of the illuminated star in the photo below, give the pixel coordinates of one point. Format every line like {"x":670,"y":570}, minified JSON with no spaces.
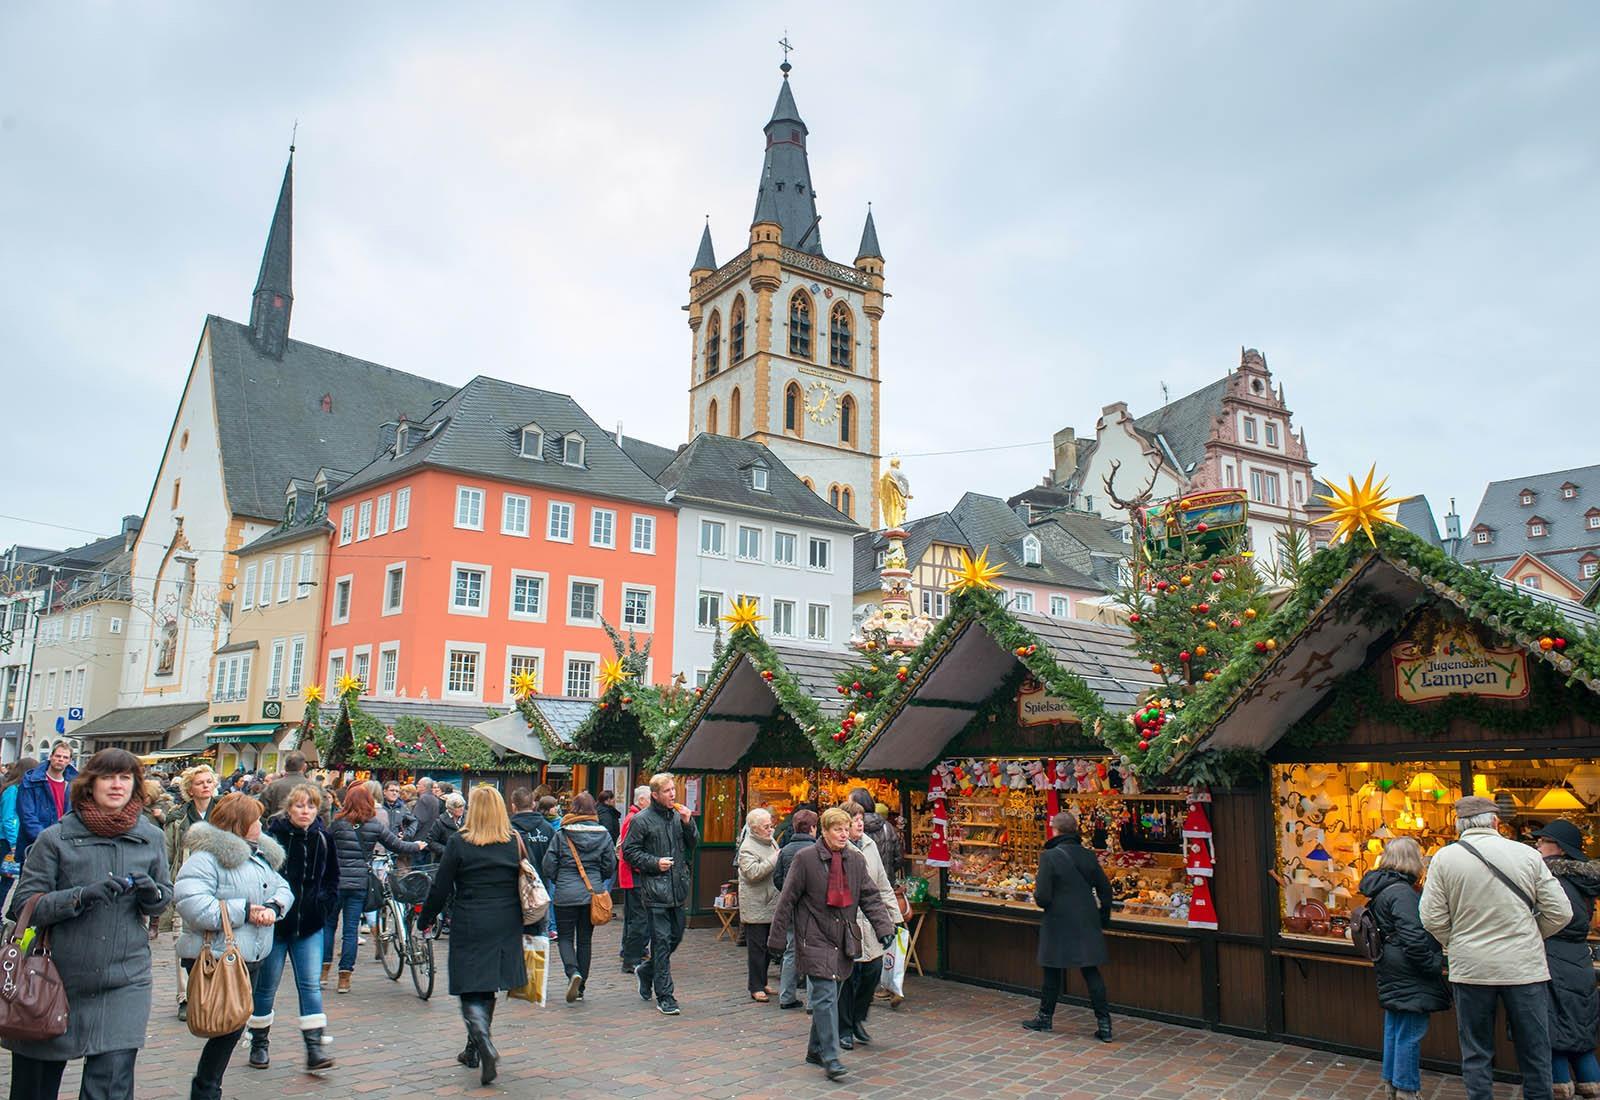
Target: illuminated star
{"x":744,"y":615}
{"x":524,"y":684}
{"x":312,"y":693}
{"x":348,"y":684}
{"x":1359,"y":507}
{"x":974,"y":574}
{"x":612,"y":673}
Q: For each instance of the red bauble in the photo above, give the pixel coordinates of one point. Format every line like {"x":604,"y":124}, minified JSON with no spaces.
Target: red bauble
{"x":626,"y":699}
{"x":1261,"y":647}
{"x":902,"y":676}
{"x":1217,"y":576}
{"x":1134,"y":617}
{"x":1201,"y":528}
{"x":1162,"y":585}
{"x":843,"y":689}
{"x":1184,"y":656}
{"x":1144,"y":746}
{"x":1204,"y":608}
{"x":1236,"y":624}
{"x":766,"y":674}
{"x":1560,"y":643}
{"x":856,"y":686}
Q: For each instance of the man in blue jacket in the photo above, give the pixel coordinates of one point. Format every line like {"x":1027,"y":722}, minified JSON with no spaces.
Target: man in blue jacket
{"x":42,"y":796}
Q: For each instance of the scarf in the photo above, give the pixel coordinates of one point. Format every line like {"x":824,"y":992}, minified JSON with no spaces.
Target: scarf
{"x":573,"y":819}
{"x":103,"y":822}
{"x":838,"y":889}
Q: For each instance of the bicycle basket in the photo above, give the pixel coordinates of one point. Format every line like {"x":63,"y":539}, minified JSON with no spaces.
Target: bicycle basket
{"x":412,"y":887}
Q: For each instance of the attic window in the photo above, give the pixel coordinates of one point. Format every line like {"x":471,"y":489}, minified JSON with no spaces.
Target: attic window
{"x":758,"y":478}
{"x":400,"y":439}
{"x":1031,"y":554}
{"x":572,"y":450}
{"x":1537,"y":529}
{"x":532,"y":443}
{"x":1527,"y":496}
{"x":1481,"y":538}
{"x":1569,"y":491}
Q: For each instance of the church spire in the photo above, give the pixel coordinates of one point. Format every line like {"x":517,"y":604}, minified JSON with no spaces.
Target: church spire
{"x":869,"y":249}
{"x":705,"y":259}
{"x":274,"y":297}
{"x":784,"y":195}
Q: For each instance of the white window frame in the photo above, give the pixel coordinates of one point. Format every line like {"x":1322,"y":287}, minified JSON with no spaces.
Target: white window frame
{"x":599,"y":601}
{"x":1530,"y":580}
{"x":645,"y":524}
{"x":356,"y":655}
{"x":1270,"y":432}
{"x":1589,"y":570}
{"x":380,"y":525}
{"x":1481,"y":538}
{"x":702,"y":677}
{"x":566,"y":449}
{"x":1593,"y":522}
{"x":286,"y":578}
{"x":481,"y":651}
{"x":739,"y":545}
{"x":275,"y":666}
{"x":707,"y":526}
{"x":79,"y":686}
{"x":934,"y":604}
{"x":1250,"y":433}
{"x":778,"y":627}
{"x":50,"y":689}
{"x":567,"y":658}
{"x":514,"y":651}
{"x":269,"y":582}
{"x":402,"y":508}
{"x":525,"y":503}
{"x":1568,"y":493}
{"x":306,"y":577}
{"x":385,"y":650}
{"x":564,"y":508}
{"x":649,"y":591}
{"x":1527,"y":499}
{"x":760,"y":479}
{"x":827,"y":619}
{"x":116,"y":624}
{"x":536,"y":452}
{"x":339,"y":658}
{"x":388,"y":574}
{"x":347,"y":525}
{"x":812,"y":541}
{"x":1021,"y":599}
{"x":482,"y":610}
{"x":334,"y":618}
{"x":543,"y":614}
{"x":1032,"y":550}
{"x":247,"y":593}
{"x":722,"y":602}
{"x":610,"y":516}
{"x":1536,"y":530}
{"x":1060,"y":607}
{"x":469,"y":499}
{"x":793,"y":562}
{"x":294,"y":668}
{"x":364,"y":522}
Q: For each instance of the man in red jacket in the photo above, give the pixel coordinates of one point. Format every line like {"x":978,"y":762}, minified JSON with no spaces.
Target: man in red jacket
{"x":635,"y":923}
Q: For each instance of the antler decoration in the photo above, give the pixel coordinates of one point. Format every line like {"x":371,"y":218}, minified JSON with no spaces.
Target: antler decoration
{"x":1141,"y":498}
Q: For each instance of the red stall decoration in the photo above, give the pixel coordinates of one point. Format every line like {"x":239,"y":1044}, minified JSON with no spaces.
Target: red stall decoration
{"x":1199,"y":862}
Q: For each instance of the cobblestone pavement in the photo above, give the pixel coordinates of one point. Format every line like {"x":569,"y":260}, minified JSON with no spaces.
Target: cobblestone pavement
{"x":947,"y":1040}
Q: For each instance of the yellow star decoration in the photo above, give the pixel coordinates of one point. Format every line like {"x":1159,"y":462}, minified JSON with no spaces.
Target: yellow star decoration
{"x":974,"y":573}
{"x":1358,"y":507}
{"x":612,"y":673}
{"x":524,"y":684}
{"x":347,"y":684}
{"x":312,"y":693}
{"x":744,"y":615}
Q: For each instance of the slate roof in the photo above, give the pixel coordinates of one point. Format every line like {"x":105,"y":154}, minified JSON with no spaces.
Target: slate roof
{"x":1185,"y":424}
{"x":461,"y":715}
{"x":920,"y":534}
{"x":1568,"y":537}
{"x":649,"y":457}
{"x":288,"y":533}
{"x":715,"y":470}
{"x":277,"y":260}
{"x":706,"y":258}
{"x":131,"y":720}
{"x":1415,"y":514}
{"x":784,"y":192}
{"x":270,"y":416}
{"x":562,"y":716}
{"x":478,"y":431}
{"x":870,"y":249}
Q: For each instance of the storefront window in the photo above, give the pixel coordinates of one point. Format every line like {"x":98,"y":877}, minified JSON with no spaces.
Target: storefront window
{"x":1532,"y":793}
{"x":781,"y":790}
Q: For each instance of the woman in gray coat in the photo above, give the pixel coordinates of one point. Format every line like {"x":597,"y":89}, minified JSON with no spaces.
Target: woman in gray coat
{"x":93,"y":879}
{"x":1076,"y":898}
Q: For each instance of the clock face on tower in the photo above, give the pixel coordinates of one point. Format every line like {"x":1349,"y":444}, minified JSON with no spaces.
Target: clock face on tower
{"x":821,"y":406}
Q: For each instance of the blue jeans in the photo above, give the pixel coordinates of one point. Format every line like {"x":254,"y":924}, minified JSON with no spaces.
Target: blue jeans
{"x":1584,"y":1067}
{"x":303,"y":954}
{"x":788,"y":975}
{"x":1402,"y":1048}
{"x":351,"y":902}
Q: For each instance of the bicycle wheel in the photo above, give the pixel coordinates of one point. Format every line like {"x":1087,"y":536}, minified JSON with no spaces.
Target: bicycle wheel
{"x":421,"y":958}
{"x":391,"y":940}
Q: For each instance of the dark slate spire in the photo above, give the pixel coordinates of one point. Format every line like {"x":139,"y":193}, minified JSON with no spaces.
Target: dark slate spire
{"x":869,"y":241}
{"x":274,"y":297}
{"x":785,"y":194}
{"x":705,"y":259}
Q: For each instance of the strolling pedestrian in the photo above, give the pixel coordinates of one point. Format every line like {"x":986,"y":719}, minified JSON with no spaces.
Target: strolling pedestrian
{"x":97,"y":875}
{"x":477,"y":878}
{"x":802,"y":835}
{"x":311,"y":867}
{"x":581,"y":856}
{"x":855,"y":995}
{"x":635,"y":925}
{"x":197,"y":788}
{"x":1574,"y":1002}
{"x":10,"y":824}
{"x":425,"y":810}
{"x":605,"y":809}
{"x":1410,"y":971}
{"x":824,"y":888}
{"x":229,"y":862}
{"x":1490,"y":902}
{"x":1076,"y":898}
{"x":757,"y":860}
{"x":660,"y":841}
{"x":356,"y":832}
{"x":294,"y":774}
{"x":42,"y":796}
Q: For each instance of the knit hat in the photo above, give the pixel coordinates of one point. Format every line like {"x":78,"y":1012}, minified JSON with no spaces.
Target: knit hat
{"x":1475,"y":806}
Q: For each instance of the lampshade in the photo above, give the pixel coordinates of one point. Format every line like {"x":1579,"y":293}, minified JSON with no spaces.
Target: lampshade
{"x":1382,"y":832}
{"x":1585,"y":780}
{"x":1480,"y":786}
{"x":1424,"y":781}
{"x":1319,"y":854}
{"x":1559,"y":799}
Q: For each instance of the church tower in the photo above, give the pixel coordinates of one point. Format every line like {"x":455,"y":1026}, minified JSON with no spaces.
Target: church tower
{"x":273,"y":297}
{"x":785,"y":340}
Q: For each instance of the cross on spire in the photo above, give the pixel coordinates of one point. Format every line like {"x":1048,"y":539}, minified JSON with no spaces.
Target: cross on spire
{"x":784,"y":43}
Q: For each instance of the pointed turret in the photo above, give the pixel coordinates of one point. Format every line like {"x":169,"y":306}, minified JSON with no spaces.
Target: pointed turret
{"x":274,"y":296}
{"x":869,"y":241}
{"x":706,"y":259}
{"x":784,"y":196}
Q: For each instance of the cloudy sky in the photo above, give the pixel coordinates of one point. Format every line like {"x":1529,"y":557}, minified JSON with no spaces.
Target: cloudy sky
{"x":1397,"y":204}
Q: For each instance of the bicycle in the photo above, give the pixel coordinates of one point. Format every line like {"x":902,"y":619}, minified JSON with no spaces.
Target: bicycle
{"x":399,"y":942}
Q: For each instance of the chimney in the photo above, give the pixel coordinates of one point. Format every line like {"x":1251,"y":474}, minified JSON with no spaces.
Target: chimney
{"x":1452,"y":523}
{"x":1065,"y":448}
{"x":130,"y":530}
{"x":619,"y":433}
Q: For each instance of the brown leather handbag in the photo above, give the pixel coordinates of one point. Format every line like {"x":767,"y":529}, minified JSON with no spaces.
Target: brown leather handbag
{"x":33,"y":1001}
{"x":599,"y":904}
{"x":220,"y":997}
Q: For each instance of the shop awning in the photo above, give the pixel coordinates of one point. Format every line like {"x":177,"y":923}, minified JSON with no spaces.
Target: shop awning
{"x":511,"y":733}
{"x":132,"y":721}
{"x":257,"y":733}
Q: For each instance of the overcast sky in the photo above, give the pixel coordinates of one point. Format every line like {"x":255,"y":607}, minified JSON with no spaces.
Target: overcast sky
{"x":1396,"y":203}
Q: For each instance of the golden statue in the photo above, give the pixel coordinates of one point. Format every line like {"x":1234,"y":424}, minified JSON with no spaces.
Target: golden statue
{"x":894,"y":490}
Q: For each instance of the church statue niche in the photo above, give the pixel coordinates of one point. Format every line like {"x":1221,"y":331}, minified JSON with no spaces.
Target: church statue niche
{"x":167,"y":655}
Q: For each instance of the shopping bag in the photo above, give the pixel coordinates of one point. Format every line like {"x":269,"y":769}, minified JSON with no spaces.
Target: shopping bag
{"x":894,"y":962}
{"x":536,"y":958}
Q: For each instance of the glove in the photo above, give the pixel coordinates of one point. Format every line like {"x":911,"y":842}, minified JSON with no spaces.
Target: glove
{"x":146,"y":889}
{"x":103,"y":892}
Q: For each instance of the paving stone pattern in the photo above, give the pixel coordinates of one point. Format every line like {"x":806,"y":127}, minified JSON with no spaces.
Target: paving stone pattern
{"x":947,"y":1041}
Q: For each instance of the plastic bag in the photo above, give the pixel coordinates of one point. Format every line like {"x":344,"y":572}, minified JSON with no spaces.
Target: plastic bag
{"x":916,"y":889}
{"x":894,"y":962}
{"x":536,"y":957}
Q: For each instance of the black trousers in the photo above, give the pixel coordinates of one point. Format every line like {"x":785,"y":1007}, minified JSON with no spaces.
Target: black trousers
{"x":1527,"y":1010}
{"x":666,"y":932}
{"x":635,"y":928}
{"x":107,"y":1076}
{"x":207,"y":1081}
{"x":574,"y":934}
{"x":1050,"y":990}
{"x":758,"y":960}
{"x":855,"y":994}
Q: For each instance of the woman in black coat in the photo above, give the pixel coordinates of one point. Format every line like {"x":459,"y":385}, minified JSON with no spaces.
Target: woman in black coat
{"x":1574,"y":1002}
{"x":478,"y":879}
{"x":1076,"y":898}
{"x":1410,"y":970}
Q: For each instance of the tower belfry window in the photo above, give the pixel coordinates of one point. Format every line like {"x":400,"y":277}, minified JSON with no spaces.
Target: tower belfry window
{"x":793,"y":408}
{"x":714,"y":344}
{"x":736,"y":331}
{"x":800,"y":325}
{"x":847,"y":421}
{"x":839,"y":341}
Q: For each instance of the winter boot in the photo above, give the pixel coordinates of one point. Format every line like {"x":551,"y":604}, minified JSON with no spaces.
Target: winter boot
{"x":478,"y":1014}
{"x":317,"y":1055}
{"x":1102,"y":1026}
{"x":327,"y":968}
{"x":1588,"y":1088}
{"x":469,"y":1055}
{"x":1402,"y":1094}
{"x":1563,"y":1090}
{"x":259,"y":1026}
{"x":1040,"y":1022}
{"x":344,"y":981}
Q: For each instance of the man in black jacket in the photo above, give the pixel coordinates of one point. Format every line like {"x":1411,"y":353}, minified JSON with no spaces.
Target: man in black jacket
{"x":802,"y":835}
{"x":427,"y":809}
{"x":660,"y":841}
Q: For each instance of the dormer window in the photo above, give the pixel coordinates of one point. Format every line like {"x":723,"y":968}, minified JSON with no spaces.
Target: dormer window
{"x":1592,"y":519}
{"x":532,"y":443}
{"x":400,"y":433}
{"x":1569,"y":491}
{"x":572,"y":450}
{"x":1481,"y":536}
{"x":758,"y":479}
{"x":1527,"y":497}
{"x":1537,"y":528}
{"x":1032,"y":554}
{"x":883,"y":556}
{"x":290,"y":506}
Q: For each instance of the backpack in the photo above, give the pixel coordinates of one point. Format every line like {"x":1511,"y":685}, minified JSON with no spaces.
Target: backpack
{"x":1366,"y":933}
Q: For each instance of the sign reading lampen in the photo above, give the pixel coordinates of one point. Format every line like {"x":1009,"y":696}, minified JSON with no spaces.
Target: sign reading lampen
{"x":1036,"y":707}
{"x":1454,"y":668}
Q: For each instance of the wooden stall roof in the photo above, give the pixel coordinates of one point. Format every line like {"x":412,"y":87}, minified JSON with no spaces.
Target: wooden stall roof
{"x":940,"y":699}
{"x":737,"y":702}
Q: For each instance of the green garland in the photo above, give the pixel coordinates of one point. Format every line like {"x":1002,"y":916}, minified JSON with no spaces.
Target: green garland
{"x":463,"y":749}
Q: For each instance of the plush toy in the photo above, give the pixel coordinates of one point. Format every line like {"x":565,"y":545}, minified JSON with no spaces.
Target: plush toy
{"x":1016,"y":778}
{"x":1130,"y":783}
{"x":963,"y":781}
{"x":1081,"y":774}
{"x":1063,"y":775}
{"x":997,"y":778}
{"x":1038,"y":775}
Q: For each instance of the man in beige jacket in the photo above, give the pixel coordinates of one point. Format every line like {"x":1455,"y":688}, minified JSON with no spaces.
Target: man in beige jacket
{"x":1493,"y":931}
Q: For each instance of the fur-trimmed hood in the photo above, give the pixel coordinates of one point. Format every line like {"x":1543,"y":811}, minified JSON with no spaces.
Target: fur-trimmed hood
{"x":230,"y":849}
